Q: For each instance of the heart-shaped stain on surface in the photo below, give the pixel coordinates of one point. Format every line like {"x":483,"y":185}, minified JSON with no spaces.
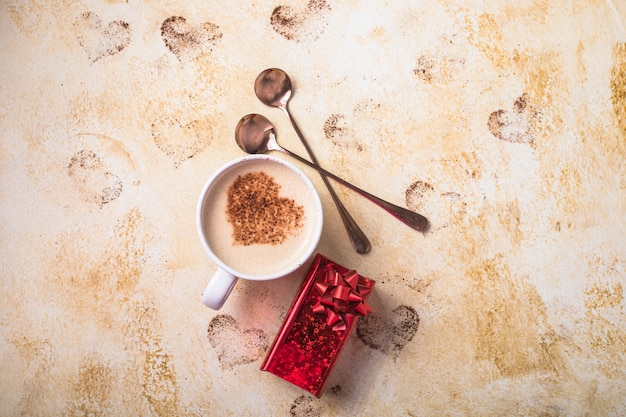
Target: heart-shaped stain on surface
{"x":187,"y":42}
{"x":100,"y":41}
{"x":93,"y":178}
{"x":348,"y":131}
{"x":233,"y":345}
{"x":443,"y":208}
{"x":388,"y":333}
{"x":300,"y":25}
{"x":512,"y":126}
{"x":180,"y":142}
{"x":308,"y":406}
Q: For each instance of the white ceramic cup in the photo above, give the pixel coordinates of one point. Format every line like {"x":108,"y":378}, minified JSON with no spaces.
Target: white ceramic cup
{"x":257,"y":262}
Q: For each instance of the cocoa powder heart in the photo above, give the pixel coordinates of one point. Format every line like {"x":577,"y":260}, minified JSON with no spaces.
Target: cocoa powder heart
{"x":187,"y":42}
{"x":512,"y":126}
{"x":180,"y":141}
{"x":303,"y":24}
{"x":388,"y":333}
{"x":258,"y":214}
{"x":100,"y":41}
{"x":233,"y":345}
{"x":93,"y":178}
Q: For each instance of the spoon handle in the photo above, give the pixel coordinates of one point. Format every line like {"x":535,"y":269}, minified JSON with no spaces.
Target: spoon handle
{"x":358,"y":238}
{"x":408,"y":217}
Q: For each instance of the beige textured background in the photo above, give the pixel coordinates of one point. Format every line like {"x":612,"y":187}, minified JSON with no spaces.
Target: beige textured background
{"x":503,"y":122}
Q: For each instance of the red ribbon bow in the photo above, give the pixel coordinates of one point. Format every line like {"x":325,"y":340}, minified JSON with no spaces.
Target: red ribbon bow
{"x":341,"y":298}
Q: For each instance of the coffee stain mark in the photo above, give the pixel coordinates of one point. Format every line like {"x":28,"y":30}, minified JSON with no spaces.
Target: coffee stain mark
{"x":159,"y":379}
{"x":510,"y":323}
{"x":607,"y":341}
{"x":304,"y":24}
{"x":27,"y":16}
{"x":604,"y":313}
{"x":546,"y":85}
{"x":189,"y":42}
{"x":111,"y":145}
{"x":307,"y":406}
{"x":91,"y":393}
{"x":93,"y":179}
{"x":432,"y":68}
{"x":93,"y":277}
{"x":546,"y":91}
{"x":403,"y":277}
{"x":336,"y":389}
{"x":425,"y":68}
{"x":142,"y":327}
{"x":444,"y":208}
{"x":389,"y":333}
{"x":604,"y":296}
{"x":485,"y":34}
{"x":233,"y":345}
{"x":618,"y":87}
{"x":181,"y":142}
{"x":96,"y":276}
{"x":160,"y":386}
{"x":512,"y":126}
{"x":583,"y":71}
{"x":509,"y":216}
{"x":39,"y":360}
{"x":112,"y":106}
{"x":101,"y":41}
{"x":578,"y":169}
{"x":418,"y":192}
{"x":37,"y":353}
{"x":347,"y":131}
{"x":129,"y":256}
{"x":336,"y":131}
{"x":466,"y":166}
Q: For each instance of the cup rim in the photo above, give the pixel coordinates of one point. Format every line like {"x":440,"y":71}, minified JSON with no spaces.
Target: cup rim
{"x":318,"y":210}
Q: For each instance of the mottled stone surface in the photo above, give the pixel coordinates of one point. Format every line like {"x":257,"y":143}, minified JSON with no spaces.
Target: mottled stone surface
{"x":503,"y":122}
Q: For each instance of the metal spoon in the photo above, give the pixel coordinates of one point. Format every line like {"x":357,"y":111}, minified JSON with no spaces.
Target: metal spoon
{"x":273,"y":87}
{"x":255,"y":134}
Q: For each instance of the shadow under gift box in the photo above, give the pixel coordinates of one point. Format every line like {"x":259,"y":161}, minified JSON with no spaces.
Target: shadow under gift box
{"x":318,"y":325}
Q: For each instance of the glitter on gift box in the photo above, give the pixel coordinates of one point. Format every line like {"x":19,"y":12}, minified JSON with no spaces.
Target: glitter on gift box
{"x":318,"y":325}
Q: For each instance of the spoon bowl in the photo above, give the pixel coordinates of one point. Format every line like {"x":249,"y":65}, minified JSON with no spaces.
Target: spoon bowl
{"x":273,"y":88}
{"x":255,"y":135}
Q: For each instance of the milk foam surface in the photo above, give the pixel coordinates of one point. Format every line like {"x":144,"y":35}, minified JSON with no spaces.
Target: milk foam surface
{"x":259,"y":259}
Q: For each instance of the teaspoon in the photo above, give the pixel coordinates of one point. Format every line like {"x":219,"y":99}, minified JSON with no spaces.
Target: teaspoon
{"x":273,"y":88}
{"x":255,"y":135}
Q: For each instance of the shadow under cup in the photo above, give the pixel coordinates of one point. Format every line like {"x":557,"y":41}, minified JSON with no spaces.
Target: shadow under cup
{"x":223,"y":225}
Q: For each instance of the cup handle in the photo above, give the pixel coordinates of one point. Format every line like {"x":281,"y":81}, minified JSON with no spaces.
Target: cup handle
{"x":218,"y":289}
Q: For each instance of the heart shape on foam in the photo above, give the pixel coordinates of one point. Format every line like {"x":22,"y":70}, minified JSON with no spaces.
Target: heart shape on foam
{"x":388,"y":333}
{"x":180,"y":142}
{"x":233,"y":345}
{"x":187,"y":42}
{"x":257,"y":212}
{"x":101,"y":41}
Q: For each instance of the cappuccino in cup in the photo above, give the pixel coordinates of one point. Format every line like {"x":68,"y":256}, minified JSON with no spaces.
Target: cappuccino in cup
{"x":259,"y":218}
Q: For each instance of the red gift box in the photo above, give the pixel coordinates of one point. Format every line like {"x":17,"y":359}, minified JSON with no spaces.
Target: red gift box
{"x":318,"y":325}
